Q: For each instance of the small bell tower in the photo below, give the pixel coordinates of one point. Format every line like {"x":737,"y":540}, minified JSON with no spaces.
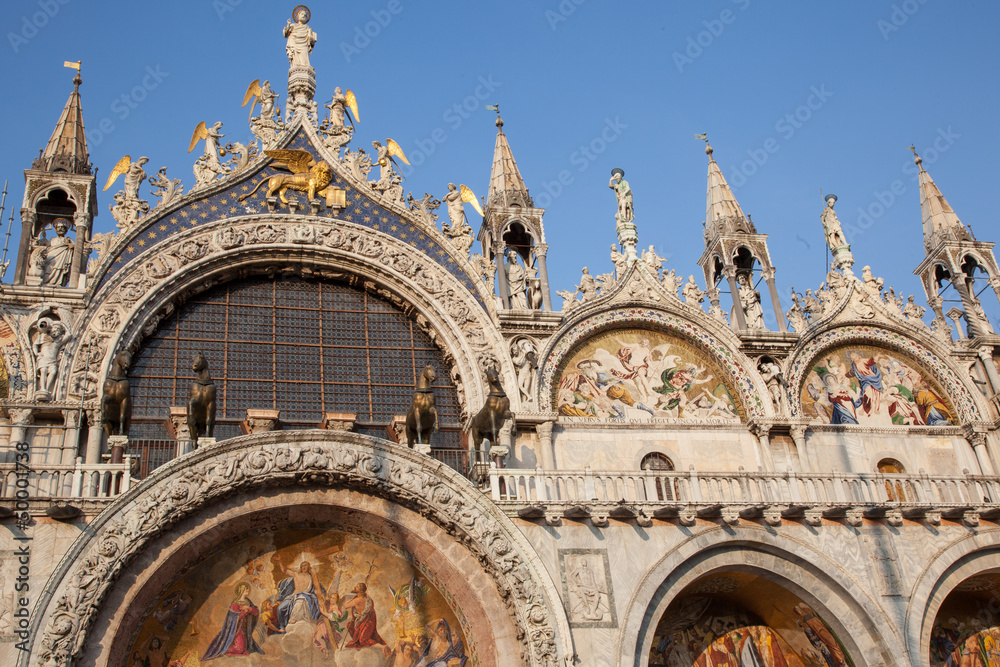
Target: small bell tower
{"x":512,"y":234}
{"x":734,"y":251}
{"x":59,"y":206}
{"x":953,"y":259}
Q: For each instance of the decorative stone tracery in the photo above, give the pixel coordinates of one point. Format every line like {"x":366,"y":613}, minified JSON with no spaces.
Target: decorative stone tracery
{"x":180,"y":489}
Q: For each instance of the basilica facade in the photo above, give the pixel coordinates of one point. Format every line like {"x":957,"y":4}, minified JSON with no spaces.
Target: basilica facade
{"x":293,"y":415}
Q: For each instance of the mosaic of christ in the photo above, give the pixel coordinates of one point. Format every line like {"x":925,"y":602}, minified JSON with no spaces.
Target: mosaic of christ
{"x":641,"y":374}
{"x":872,"y":386}
{"x":301,"y":597}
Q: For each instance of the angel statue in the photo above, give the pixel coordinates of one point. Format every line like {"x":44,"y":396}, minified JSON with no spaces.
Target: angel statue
{"x":208,"y":166}
{"x":337,"y":134}
{"x":266,"y":96}
{"x":387,"y":175}
{"x":266,"y":127}
{"x":459,"y":231}
{"x":301,"y":37}
{"x":307,"y":175}
{"x":128,"y":208}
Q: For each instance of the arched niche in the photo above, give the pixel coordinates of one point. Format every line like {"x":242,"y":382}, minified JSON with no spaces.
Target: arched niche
{"x":966,"y":629}
{"x":145,"y":538}
{"x":741,"y":617}
{"x":777,"y":563}
{"x":962,"y":581}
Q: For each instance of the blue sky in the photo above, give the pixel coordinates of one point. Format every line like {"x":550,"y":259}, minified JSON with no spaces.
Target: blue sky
{"x":835,"y":91}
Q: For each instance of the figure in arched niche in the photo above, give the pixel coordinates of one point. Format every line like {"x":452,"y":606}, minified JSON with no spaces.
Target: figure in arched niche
{"x":517,"y":280}
{"x":525,"y":358}
{"x":49,"y":337}
{"x":750,"y":301}
{"x":52,"y":260}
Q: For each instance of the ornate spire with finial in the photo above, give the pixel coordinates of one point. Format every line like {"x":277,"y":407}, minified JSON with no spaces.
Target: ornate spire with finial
{"x":506,"y":185}
{"x":940,"y":221}
{"x":723,"y":214}
{"x":67,"y":147}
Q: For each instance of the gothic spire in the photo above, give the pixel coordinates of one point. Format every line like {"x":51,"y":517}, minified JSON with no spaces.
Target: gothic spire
{"x":722,"y":212}
{"x":506,"y":185}
{"x":940,"y":221}
{"x":67,"y":148}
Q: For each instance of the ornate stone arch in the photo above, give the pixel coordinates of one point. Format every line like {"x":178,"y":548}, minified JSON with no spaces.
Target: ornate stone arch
{"x":969,"y":407}
{"x":958,"y":561}
{"x":811,"y":575}
{"x":740,"y":372}
{"x":134,"y":301}
{"x":64,"y":617}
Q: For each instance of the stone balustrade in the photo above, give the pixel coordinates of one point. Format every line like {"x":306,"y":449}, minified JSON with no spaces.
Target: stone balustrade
{"x":95,"y":481}
{"x":811,"y":497}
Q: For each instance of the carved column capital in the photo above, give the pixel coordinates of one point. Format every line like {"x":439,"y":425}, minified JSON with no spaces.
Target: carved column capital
{"x":798,"y":432}
{"x":28,"y":215}
{"x":72,"y":418}
{"x":21,"y":416}
{"x":541,"y":249}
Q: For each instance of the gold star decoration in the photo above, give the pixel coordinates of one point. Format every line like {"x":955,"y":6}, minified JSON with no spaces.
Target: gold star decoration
{"x":142,"y":243}
{"x":130,"y":250}
{"x":214,"y":208}
{"x":163,"y":228}
{"x":185,"y":214}
{"x":152,"y":235}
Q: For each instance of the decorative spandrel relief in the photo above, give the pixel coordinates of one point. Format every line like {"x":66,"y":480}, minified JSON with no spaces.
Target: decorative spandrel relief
{"x":642,"y":374}
{"x":872,"y":386}
{"x":587,"y":590}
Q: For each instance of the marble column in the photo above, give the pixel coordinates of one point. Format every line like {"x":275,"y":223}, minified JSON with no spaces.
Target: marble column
{"x":763,"y":437}
{"x":79,"y":249}
{"x":546,"y":453}
{"x":541,"y":249}
{"x":986,"y":355}
{"x":72,"y":421}
{"x":502,"y":287}
{"x":775,"y":301}
{"x":28,"y":219}
{"x":978,"y":442}
{"x":20,"y":420}
{"x":798,"y":432}
{"x":95,"y":436}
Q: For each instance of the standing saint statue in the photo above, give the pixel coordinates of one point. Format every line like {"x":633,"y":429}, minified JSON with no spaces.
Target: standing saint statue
{"x":517,"y":279}
{"x":58,"y":256}
{"x":301,"y":37}
{"x":831,"y":225}
{"x":624,"y":194}
{"x":750,"y":301}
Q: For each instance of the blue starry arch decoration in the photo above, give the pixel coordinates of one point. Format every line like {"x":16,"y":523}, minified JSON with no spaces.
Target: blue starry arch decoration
{"x":361,"y":209}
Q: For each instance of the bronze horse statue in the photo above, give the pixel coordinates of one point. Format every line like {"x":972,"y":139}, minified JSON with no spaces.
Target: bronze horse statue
{"x":116,"y":403}
{"x":422,"y":417}
{"x":493,"y":415}
{"x":201,"y":407}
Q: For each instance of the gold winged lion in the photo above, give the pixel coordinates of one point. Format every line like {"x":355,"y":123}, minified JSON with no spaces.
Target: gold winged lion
{"x":307,"y":176}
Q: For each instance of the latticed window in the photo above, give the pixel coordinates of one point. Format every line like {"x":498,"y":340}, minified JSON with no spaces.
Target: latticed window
{"x":303,"y":347}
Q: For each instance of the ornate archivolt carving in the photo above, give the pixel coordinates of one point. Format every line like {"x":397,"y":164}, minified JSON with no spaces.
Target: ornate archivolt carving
{"x":741,"y":372}
{"x":180,"y":489}
{"x":802,"y":360}
{"x":135,"y":300}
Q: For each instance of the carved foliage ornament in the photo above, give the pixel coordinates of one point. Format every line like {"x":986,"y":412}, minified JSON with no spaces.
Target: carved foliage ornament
{"x":178,"y":491}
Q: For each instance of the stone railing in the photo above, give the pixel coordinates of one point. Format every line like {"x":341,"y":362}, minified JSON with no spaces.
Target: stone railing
{"x":95,"y":481}
{"x":644,"y":495}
